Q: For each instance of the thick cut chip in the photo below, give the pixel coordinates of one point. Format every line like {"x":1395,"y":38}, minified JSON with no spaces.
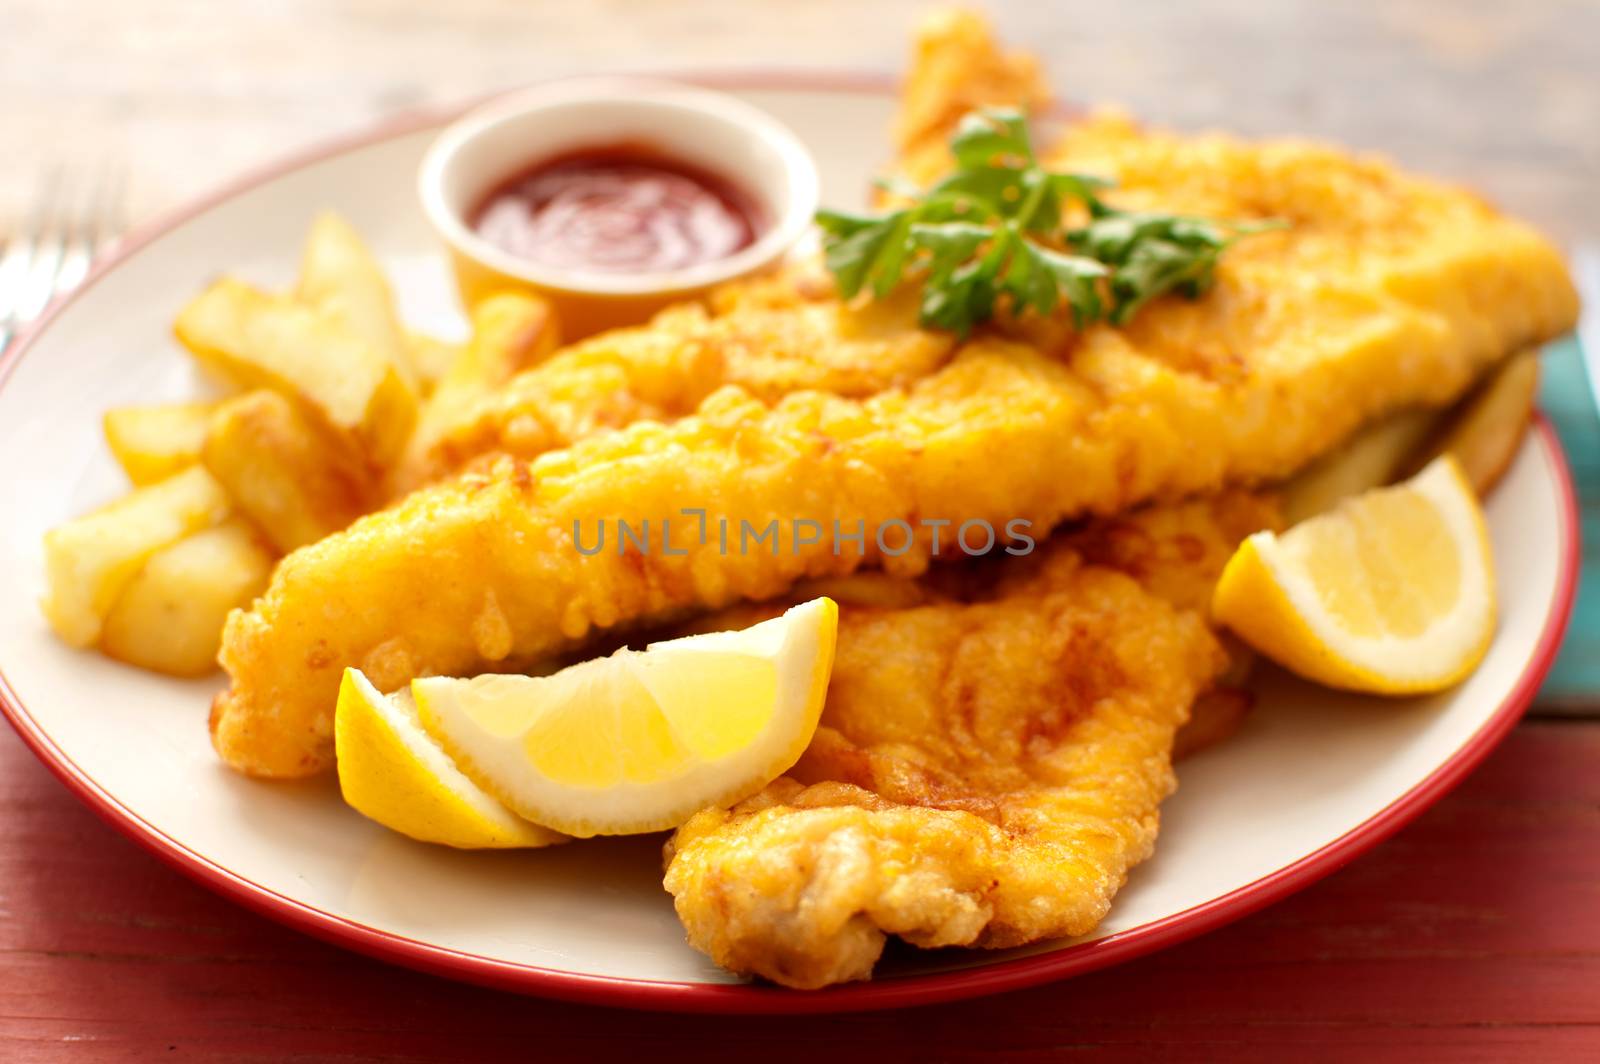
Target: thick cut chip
{"x":90,"y":560}
{"x":153,"y":442}
{"x":169,"y":617}
{"x":311,"y":354}
{"x":339,"y":274}
{"x":283,"y":470}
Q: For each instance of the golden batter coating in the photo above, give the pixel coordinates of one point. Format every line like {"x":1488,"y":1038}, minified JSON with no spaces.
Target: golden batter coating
{"x":985,"y":775}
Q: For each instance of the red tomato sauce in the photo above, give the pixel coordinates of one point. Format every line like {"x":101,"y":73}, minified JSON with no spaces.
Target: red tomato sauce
{"x":620,"y":209}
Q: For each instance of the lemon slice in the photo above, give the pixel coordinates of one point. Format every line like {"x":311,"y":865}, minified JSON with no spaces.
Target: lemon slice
{"x":391,"y":771}
{"x":1390,"y":592}
{"x":641,"y":740}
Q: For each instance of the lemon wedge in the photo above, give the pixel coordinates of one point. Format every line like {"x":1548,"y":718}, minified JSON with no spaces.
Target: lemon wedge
{"x":641,"y":740}
{"x":391,"y":771}
{"x":1390,"y":592}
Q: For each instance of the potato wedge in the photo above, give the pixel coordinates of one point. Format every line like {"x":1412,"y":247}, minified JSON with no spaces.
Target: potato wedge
{"x":89,"y":561}
{"x":282,"y":470}
{"x":1483,"y":431}
{"x":430,"y":358}
{"x":1377,"y":454}
{"x":153,"y":442}
{"x":169,"y":618}
{"x":509,"y":331}
{"x":1487,"y":428}
{"x":339,"y":274}
{"x":258,"y":340}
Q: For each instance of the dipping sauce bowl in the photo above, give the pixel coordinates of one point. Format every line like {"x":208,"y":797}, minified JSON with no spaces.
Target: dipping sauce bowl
{"x":663,"y":159}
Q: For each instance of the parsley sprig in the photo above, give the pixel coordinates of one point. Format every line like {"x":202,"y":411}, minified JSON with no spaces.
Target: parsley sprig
{"x":996,"y":230}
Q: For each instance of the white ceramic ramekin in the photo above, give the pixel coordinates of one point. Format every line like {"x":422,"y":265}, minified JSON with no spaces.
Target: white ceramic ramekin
{"x":707,"y":130}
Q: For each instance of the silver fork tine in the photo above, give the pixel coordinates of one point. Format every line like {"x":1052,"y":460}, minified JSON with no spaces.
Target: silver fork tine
{"x":67,"y":227}
{"x":17,"y":265}
{"x":16,"y":268}
{"x":81,"y":235}
{"x":13,"y":268}
{"x":49,"y":245}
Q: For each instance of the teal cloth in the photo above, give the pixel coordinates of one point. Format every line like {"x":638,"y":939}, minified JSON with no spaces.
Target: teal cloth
{"x":1569,"y":404}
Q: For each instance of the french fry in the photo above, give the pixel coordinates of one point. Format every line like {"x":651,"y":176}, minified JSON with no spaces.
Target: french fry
{"x":282,"y":470}
{"x":1487,"y":429}
{"x":509,"y":332}
{"x":153,"y":442}
{"x":339,"y":274}
{"x":89,"y":561}
{"x":1374,"y":456}
{"x":1483,"y":431}
{"x":169,"y":618}
{"x":257,"y":340}
{"x":430,"y":358}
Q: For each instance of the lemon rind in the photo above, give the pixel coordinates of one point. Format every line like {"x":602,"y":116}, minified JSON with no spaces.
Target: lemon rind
{"x":1263,"y":596}
{"x":632,"y":807}
{"x":463,"y":816}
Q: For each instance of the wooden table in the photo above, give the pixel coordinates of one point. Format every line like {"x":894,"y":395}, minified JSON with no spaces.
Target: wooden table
{"x":1474,"y":934}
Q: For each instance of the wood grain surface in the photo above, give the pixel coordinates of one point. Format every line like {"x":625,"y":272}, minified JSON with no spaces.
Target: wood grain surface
{"x":1474,"y":934}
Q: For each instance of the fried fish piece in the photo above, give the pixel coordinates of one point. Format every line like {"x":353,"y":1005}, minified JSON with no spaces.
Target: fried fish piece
{"x":1003,"y":434}
{"x":991,"y":756}
{"x":956,"y":67}
{"x":985,"y":774}
{"x":1176,"y":552}
{"x":770,"y":336}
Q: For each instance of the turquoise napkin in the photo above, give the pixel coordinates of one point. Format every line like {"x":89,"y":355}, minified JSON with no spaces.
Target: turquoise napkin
{"x":1574,"y":682}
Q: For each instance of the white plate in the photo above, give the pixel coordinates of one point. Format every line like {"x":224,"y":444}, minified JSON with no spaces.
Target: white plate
{"x":1314,"y":777}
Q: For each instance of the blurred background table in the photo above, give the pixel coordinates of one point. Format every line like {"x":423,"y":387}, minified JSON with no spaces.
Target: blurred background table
{"x":1503,"y":96}
{"x":1474,"y":934}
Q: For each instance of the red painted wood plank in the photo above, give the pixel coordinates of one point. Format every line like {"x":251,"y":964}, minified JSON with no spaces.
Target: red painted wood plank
{"x":1473,"y":935}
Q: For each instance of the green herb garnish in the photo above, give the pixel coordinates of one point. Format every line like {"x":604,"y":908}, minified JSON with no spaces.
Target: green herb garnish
{"x":997,"y":229}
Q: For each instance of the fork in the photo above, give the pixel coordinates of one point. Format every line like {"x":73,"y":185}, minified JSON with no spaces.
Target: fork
{"x":70,"y":223}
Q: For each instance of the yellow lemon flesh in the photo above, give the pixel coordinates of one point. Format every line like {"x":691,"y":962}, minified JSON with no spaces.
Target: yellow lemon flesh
{"x":641,"y":740}
{"x":1390,"y":592}
{"x":391,"y":771}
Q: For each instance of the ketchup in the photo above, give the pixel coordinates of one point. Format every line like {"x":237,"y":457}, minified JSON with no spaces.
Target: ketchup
{"x":620,"y":209}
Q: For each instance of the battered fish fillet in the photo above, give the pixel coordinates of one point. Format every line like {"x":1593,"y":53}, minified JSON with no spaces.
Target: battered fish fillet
{"x":990,"y":760}
{"x":1175,"y":552}
{"x":485,"y":571}
{"x":1387,"y":291}
{"x":956,"y":67}
{"x":985,"y":775}
{"x":771,"y":336}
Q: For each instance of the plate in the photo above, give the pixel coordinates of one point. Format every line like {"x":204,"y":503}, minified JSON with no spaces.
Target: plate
{"x":1314,"y":778}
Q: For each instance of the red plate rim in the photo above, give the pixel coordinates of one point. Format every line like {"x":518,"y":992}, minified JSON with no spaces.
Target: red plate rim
{"x":746,"y":998}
